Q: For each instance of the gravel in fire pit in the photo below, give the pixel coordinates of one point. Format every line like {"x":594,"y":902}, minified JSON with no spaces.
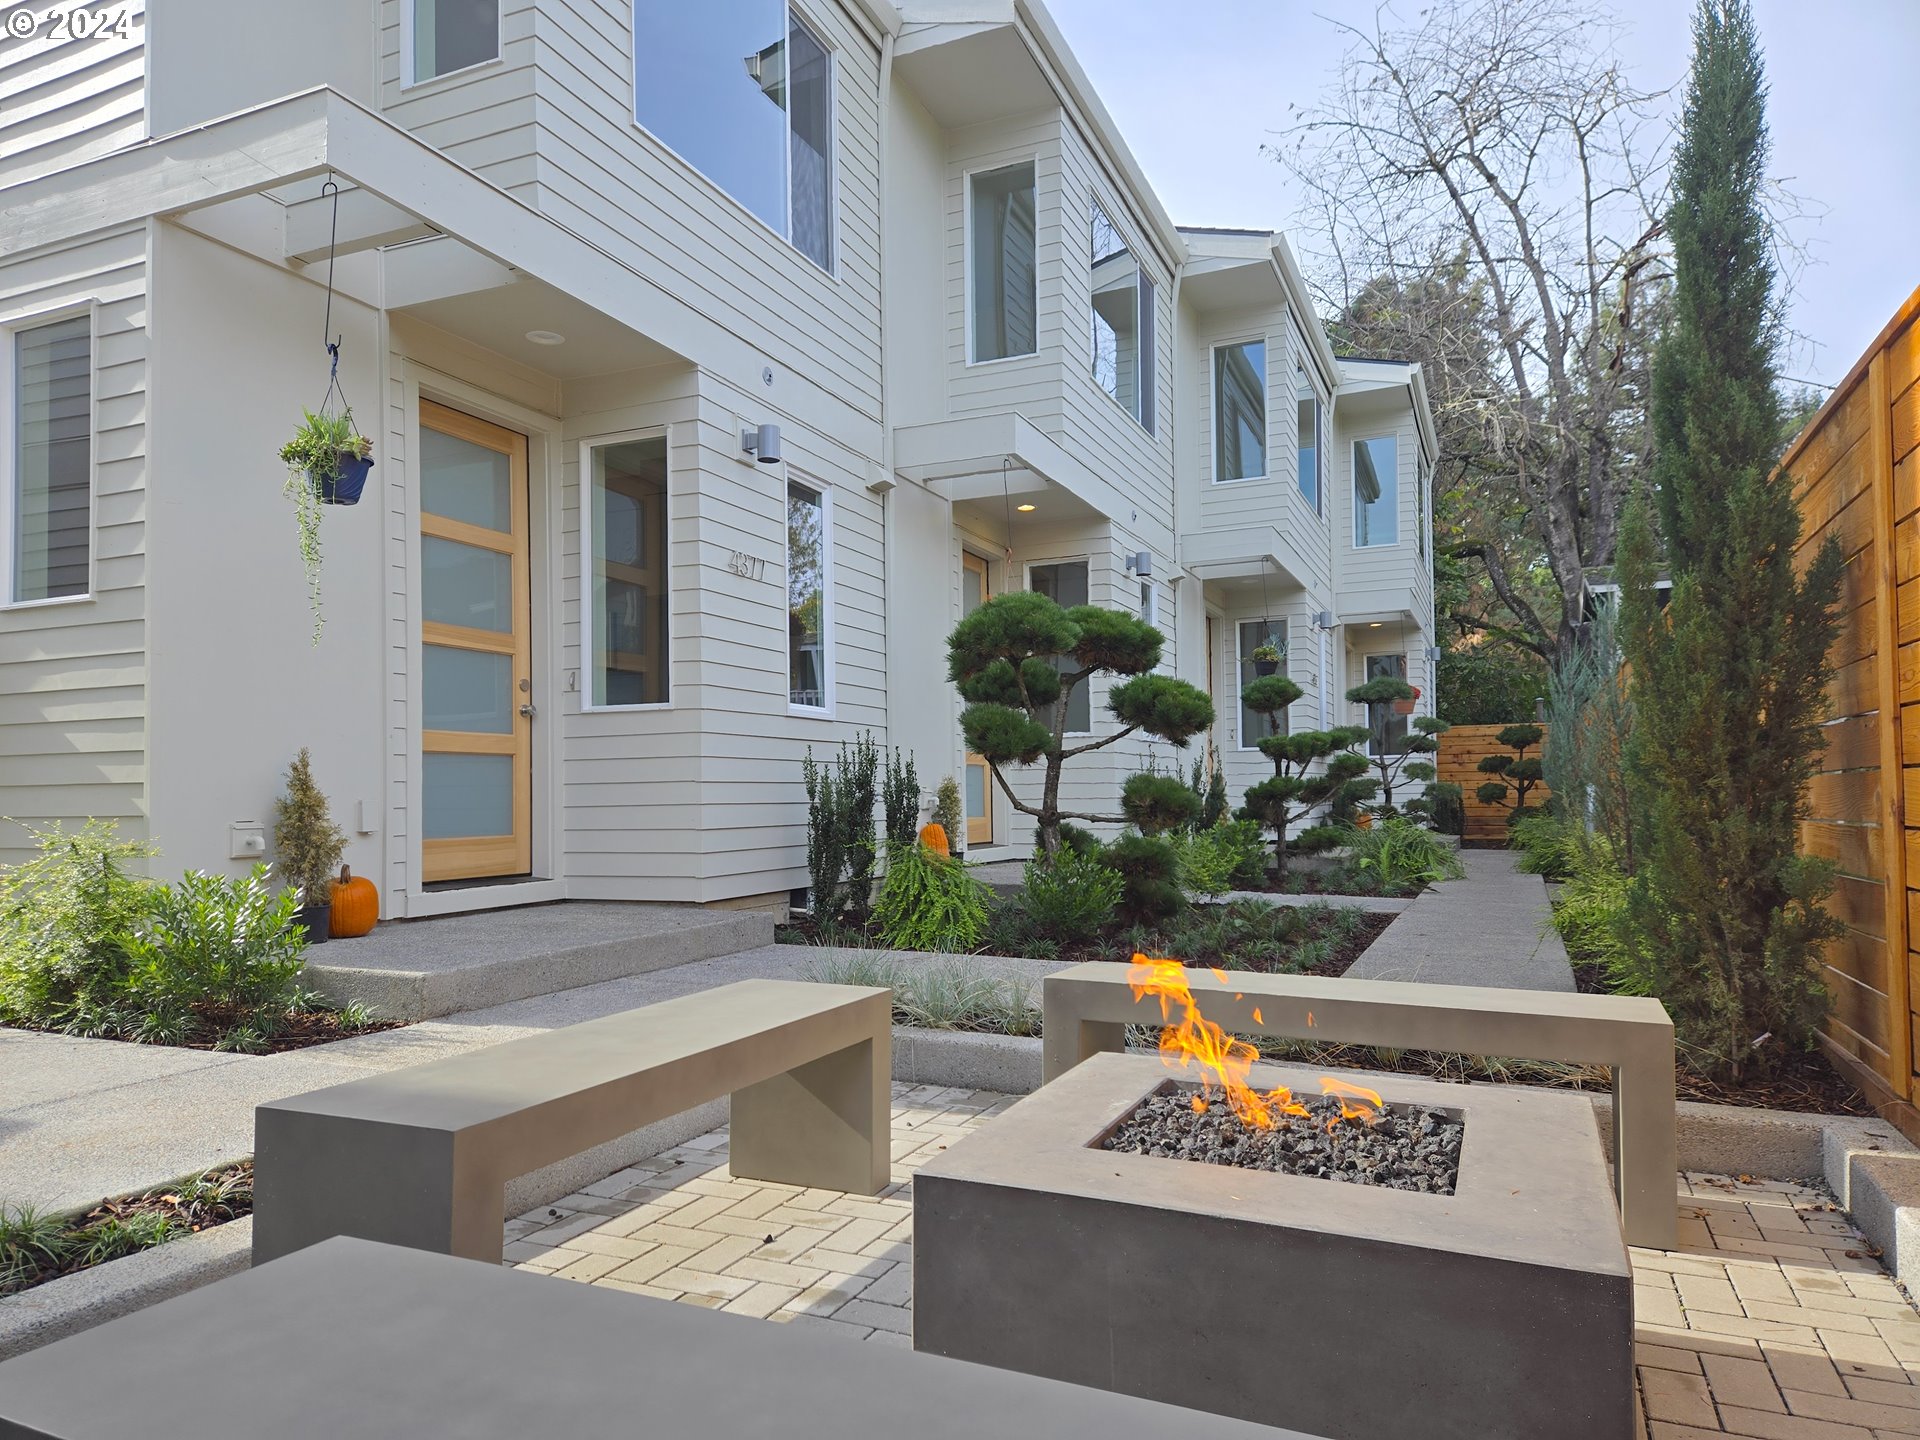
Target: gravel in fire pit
{"x":1409,"y":1147}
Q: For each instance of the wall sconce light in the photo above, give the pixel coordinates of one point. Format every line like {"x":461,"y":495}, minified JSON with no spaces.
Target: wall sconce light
{"x":1433,"y":654}
{"x":1141,"y":564}
{"x":1323,"y":619}
{"x":762,"y":443}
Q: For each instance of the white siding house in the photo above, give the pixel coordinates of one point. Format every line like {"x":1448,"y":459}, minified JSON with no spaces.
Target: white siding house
{"x":578,"y":637}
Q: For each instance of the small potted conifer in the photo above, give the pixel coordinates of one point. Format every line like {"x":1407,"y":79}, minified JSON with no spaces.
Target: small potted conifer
{"x":309,"y":846}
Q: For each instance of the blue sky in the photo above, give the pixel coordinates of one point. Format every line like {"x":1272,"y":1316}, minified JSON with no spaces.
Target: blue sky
{"x":1196,"y":100}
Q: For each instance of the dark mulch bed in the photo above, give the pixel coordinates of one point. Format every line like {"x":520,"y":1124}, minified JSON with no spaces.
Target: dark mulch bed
{"x":114,"y":1228}
{"x":300,"y":1031}
{"x":1316,"y":882}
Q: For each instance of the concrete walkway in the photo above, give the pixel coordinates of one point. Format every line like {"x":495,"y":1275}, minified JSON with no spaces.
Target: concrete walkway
{"x":84,"y":1119}
{"x":1492,"y":928}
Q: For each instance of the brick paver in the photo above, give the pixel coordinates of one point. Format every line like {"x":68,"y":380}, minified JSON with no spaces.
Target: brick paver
{"x":1773,"y":1321}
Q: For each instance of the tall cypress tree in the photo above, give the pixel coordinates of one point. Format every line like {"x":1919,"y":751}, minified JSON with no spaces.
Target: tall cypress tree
{"x":1724,"y":917}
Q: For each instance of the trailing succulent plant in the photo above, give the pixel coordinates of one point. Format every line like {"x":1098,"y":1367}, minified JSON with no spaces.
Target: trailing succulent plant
{"x":312,"y":458}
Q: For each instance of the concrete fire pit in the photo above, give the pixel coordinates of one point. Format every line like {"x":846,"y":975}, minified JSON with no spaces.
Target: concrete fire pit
{"x":1502,"y":1310}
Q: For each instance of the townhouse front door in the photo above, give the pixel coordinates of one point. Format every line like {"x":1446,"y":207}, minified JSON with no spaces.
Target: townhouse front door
{"x":476,"y":794}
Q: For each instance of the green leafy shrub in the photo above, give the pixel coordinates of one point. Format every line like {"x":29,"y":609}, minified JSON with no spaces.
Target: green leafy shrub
{"x":1228,"y":856}
{"x":1069,"y":898}
{"x":900,"y":799}
{"x":1590,"y":915}
{"x":840,"y":843}
{"x":65,"y":919}
{"x":216,"y":955}
{"x":1546,"y":845}
{"x":1150,"y":874}
{"x":929,"y":902}
{"x":1400,"y":856}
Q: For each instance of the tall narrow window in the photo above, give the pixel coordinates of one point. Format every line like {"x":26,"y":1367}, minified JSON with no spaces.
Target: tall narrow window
{"x":1310,"y":438}
{"x":1254,"y":727}
{"x":743,"y":92}
{"x":1422,"y":486}
{"x":1240,"y":411}
{"x":1065,"y":584}
{"x":809,"y":584}
{"x":1376,"y":491}
{"x":1005,"y":301}
{"x":1122,"y":322}
{"x":1386,"y":728}
{"x":627,"y":573}
{"x":52,"y":500}
{"x":450,"y":35}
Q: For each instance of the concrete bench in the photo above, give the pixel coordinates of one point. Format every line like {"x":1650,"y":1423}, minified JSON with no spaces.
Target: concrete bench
{"x":353,"y":1338}
{"x":421,"y":1156}
{"x":1087,"y":1008}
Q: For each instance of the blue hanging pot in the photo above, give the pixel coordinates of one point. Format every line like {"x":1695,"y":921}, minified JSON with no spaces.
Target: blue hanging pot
{"x":344,"y":487}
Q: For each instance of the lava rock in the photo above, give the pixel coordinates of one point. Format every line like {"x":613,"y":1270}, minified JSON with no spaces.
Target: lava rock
{"x":1403,"y":1147}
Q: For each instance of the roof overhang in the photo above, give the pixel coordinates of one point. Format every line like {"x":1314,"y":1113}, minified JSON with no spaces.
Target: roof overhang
{"x":1254,"y":553}
{"x":988,"y":457}
{"x":1390,"y":605}
{"x":417,"y":229}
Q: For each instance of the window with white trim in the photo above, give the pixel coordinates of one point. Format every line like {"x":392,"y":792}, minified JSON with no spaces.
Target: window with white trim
{"x":1066,"y":584}
{"x":1122,"y":322}
{"x":626,"y":544}
{"x":448,"y":35}
{"x":1386,"y":726}
{"x":49,"y":493}
{"x":1002,"y":279}
{"x":1253,"y":634}
{"x":743,"y":92}
{"x":1240,"y":411}
{"x":1312,"y":421}
{"x":809,"y":596}
{"x":1376,"y":491}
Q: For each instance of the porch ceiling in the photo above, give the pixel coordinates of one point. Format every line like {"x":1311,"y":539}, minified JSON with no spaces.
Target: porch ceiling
{"x":1247,"y":553}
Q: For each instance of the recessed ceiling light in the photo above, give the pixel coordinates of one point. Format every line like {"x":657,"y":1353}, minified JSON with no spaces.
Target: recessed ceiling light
{"x":1023,"y":509}
{"x":546,"y":337}
{"x":1374,"y":624}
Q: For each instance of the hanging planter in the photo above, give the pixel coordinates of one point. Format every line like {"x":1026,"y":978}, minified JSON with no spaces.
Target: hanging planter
{"x":1405,"y":707}
{"x":1266,"y":660}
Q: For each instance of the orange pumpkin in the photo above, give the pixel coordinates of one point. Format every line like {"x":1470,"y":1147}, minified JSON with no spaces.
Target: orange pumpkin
{"x":934,"y":837}
{"x":356,"y":905}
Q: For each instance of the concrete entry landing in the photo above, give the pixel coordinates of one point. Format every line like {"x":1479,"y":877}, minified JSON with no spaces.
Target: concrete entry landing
{"x":418,"y":969}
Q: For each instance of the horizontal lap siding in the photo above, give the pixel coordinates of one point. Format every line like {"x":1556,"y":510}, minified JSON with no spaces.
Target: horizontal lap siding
{"x":73,"y":677}
{"x":65,"y":101}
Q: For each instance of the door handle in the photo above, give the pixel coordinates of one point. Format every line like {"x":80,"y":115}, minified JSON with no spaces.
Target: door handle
{"x":529,"y":709}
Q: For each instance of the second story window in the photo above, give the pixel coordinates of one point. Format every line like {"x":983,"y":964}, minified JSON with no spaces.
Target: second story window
{"x":1003,"y":300}
{"x":1240,"y":411}
{"x":1376,"y":491}
{"x":1122,"y":322}
{"x":448,"y":35}
{"x":48,"y":466}
{"x":1312,"y":442}
{"x":743,"y":92}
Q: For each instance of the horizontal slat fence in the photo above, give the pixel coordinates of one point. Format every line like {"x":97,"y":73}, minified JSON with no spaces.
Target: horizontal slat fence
{"x":1461,"y":750}
{"x":1856,"y":473}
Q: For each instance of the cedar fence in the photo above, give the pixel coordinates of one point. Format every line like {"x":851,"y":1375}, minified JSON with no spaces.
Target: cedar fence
{"x":1461,"y":750}
{"x":1856,"y":473}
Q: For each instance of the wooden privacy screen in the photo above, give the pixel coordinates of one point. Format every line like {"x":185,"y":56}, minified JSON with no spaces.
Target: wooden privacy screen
{"x":1856,"y":471}
{"x":1461,"y":750}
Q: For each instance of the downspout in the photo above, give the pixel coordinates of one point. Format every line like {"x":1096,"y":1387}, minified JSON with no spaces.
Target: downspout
{"x":888,"y":539}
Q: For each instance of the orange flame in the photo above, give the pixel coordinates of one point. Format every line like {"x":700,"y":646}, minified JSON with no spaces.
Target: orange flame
{"x":1223,"y":1060}
{"x":1226,"y":1061}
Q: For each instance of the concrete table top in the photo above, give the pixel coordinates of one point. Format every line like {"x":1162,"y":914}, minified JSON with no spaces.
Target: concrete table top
{"x":350,"y":1337}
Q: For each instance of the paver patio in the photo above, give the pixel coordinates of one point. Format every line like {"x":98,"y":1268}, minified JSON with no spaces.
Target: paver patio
{"x":1774,"y":1321}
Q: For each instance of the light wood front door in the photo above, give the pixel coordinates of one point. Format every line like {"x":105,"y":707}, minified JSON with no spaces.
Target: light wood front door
{"x":476,"y":794}
{"x":979,"y":787}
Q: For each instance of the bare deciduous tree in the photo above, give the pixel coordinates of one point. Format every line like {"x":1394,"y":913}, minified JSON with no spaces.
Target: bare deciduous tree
{"x":1489,"y":174}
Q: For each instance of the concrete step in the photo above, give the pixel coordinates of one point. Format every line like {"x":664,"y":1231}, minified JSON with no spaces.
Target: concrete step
{"x":417,"y":969}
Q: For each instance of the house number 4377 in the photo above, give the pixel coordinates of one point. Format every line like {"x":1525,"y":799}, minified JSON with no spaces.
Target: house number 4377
{"x":748,"y":567}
